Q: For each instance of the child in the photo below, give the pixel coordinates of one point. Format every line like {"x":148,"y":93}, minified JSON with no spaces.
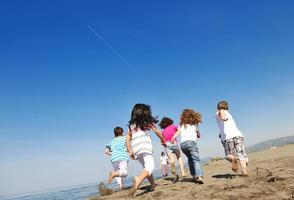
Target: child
{"x":188,"y":132}
{"x":139,"y":143}
{"x":119,"y":157}
{"x":164,"y":164}
{"x":231,"y":137}
{"x":172,"y":149}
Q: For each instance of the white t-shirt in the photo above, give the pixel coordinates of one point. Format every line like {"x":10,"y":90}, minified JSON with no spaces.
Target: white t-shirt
{"x":228,"y":129}
{"x":163,"y":160}
{"x":188,"y":132}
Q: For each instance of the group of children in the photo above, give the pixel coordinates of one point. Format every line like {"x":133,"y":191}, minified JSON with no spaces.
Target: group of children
{"x":137,"y":144}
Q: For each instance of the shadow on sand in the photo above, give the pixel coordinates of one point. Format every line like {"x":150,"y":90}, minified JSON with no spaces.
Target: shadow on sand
{"x":225,"y":176}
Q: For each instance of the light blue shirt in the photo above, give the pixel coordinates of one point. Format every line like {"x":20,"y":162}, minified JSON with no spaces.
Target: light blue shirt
{"x":118,"y":149}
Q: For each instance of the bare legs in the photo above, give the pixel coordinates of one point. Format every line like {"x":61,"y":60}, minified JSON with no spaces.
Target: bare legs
{"x":139,"y":179}
{"x":234,"y":161}
{"x":172,"y":163}
{"x":243,"y":164}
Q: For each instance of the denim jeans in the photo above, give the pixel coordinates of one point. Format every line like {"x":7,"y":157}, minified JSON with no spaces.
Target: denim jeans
{"x":190,"y":149}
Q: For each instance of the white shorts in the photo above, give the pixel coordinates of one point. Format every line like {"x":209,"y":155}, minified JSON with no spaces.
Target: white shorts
{"x":121,"y":167}
{"x":147,"y":161}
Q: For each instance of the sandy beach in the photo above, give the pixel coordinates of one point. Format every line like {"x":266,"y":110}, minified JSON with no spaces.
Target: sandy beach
{"x":271,"y":177}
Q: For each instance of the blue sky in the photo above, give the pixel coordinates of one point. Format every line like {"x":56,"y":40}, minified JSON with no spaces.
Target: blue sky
{"x":63,"y":90}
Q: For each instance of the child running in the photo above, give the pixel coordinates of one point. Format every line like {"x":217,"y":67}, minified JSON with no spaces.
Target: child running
{"x":139,"y":143}
{"x":172,"y":149}
{"x":119,"y":157}
{"x":188,"y":132}
{"x":232,"y":138}
{"x":164,"y":164}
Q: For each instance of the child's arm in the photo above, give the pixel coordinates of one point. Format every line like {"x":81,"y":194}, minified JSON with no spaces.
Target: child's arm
{"x":222,"y":115}
{"x":128,"y":143}
{"x":175,"y":136}
{"x":198,"y":132}
{"x":108,"y":151}
{"x":158,"y":133}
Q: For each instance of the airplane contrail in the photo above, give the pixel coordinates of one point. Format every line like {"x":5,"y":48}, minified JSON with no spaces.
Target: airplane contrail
{"x":114,"y":51}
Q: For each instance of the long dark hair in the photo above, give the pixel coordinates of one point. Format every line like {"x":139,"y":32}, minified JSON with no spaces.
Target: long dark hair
{"x":141,"y":117}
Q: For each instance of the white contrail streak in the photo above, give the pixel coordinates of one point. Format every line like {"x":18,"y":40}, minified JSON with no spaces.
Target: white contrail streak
{"x":114,"y":51}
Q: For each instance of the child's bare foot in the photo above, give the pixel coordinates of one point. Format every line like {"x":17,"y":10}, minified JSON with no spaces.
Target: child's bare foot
{"x":184,"y":175}
{"x":173,"y":168}
{"x":110,"y":177}
{"x":245,"y":174}
{"x":176,"y":178}
{"x":235,"y":165}
{"x":135,"y":187}
{"x":153,"y":187}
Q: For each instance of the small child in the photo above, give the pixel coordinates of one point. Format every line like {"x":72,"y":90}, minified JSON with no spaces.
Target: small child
{"x":139,"y":143}
{"x":119,"y":157}
{"x":231,"y":137}
{"x":168,"y":132}
{"x":188,"y":132}
{"x":164,"y":164}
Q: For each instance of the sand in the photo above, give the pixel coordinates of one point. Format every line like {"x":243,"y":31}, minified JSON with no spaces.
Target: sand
{"x":271,"y":177}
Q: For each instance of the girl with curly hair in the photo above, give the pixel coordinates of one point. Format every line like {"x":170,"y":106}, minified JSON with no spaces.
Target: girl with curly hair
{"x":139,"y":143}
{"x":188,"y":133}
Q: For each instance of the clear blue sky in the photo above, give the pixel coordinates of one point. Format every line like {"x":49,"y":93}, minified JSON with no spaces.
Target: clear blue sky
{"x":63,"y":90}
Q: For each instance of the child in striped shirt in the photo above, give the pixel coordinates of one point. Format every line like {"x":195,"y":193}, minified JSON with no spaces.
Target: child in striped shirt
{"x":139,"y":143}
{"x":119,"y":157}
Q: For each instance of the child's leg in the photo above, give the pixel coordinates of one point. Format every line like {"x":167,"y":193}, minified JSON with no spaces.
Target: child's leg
{"x":196,"y":160}
{"x":171,"y":162}
{"x":163,"y":170}
{"x":147,"y":161}
{"x":239,"y":152}
{"x":181,"y":162}
{"x":121,"y":170}
{"x":111,"y":174}
{"x":186,"y":148}
{"x":244,"y":152}
{"x":230,"y":152}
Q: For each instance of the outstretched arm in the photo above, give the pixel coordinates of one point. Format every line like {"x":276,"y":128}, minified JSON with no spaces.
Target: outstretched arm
{"x":158,"y":133}
{"x":128,"y":143}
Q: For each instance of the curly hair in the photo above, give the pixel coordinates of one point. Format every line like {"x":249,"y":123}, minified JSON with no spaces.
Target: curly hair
{"x":189,"y":116}
{"x":165,"y":122}
{"x":141,"y":117}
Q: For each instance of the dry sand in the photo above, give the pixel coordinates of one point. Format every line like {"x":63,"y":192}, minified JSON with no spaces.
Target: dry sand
{"x":271,"y":177}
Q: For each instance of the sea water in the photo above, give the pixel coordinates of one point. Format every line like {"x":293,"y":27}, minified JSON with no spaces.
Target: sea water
{"x":76,"y":193}
{"x":80,"y":192}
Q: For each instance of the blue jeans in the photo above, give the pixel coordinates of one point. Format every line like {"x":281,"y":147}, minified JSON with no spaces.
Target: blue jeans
{"x":190,"y":149}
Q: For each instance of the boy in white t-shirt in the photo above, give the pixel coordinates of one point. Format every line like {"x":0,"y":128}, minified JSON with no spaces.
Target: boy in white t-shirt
{"x":164,"y":164}
{"x":232,"y":138}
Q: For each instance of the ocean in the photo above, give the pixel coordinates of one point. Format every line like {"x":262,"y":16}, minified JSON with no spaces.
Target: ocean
{"x":80,"y":192}
{"x":76,"y":193}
